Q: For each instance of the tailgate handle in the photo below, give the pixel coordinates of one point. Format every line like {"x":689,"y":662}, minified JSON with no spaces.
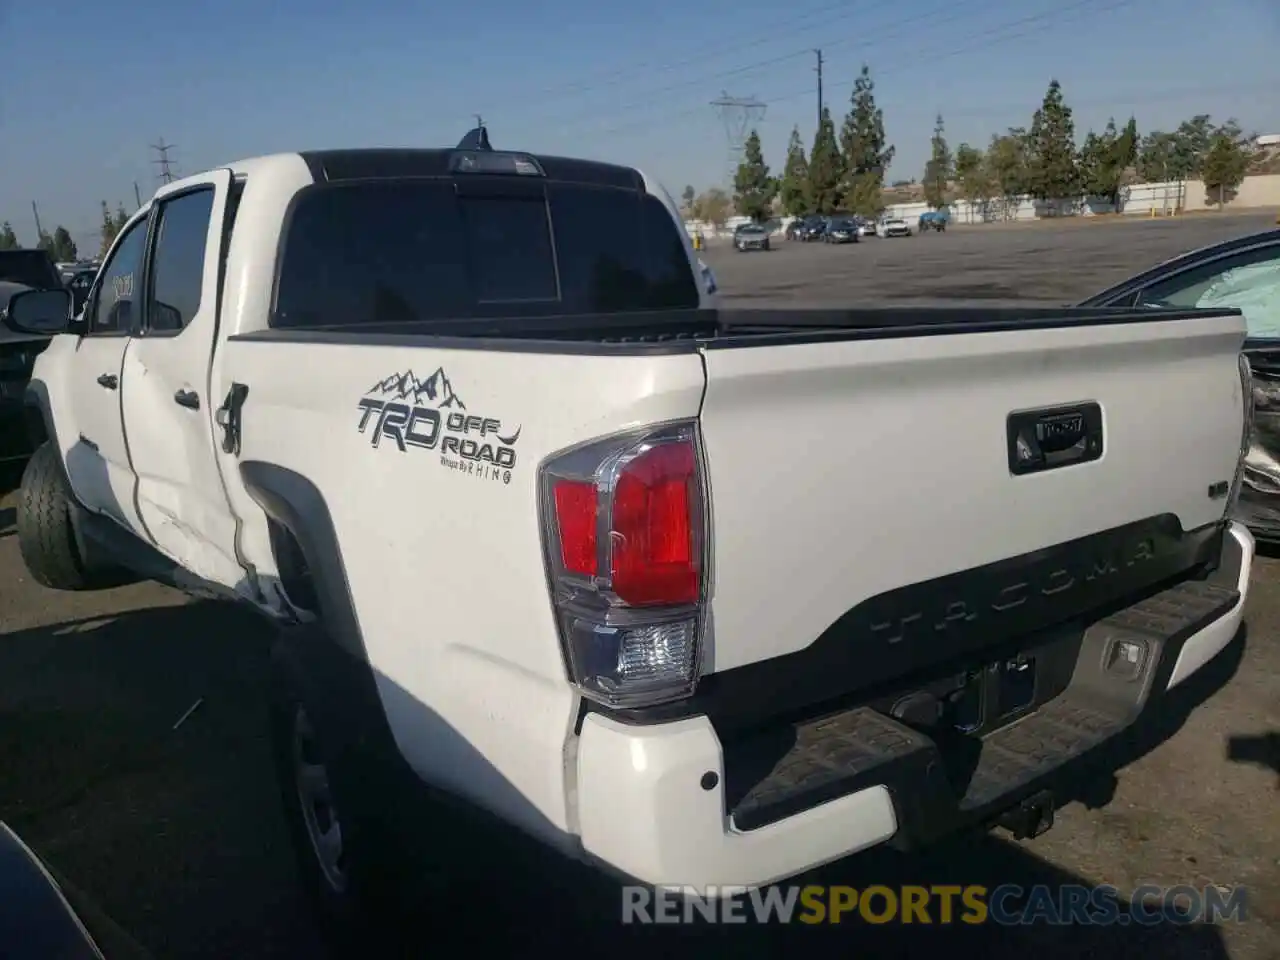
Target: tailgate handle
{"x":1054,"y":437}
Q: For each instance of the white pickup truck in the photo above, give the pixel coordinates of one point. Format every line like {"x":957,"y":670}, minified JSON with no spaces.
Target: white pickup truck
{"x":706,"y":597}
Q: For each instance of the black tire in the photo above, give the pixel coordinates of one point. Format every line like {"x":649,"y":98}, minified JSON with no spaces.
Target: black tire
{"x":341,"y":911}
{"x":46,"y":530}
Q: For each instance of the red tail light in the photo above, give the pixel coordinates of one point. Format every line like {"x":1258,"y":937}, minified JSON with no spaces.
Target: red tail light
{"x":624,"y":529}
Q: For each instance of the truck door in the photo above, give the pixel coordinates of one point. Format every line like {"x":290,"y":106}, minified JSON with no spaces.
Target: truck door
{"x":95,"y":452}
{"x":168,"y":412}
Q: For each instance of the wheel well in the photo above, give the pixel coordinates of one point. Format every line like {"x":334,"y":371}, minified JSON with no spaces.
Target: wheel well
{"x":291,"y":562}
{"x":33,"y":418}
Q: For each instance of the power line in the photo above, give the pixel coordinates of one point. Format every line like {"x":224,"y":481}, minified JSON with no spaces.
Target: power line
{"x":938,"y":16}
{"x":990,"y":37}
{"x":771,"y":33}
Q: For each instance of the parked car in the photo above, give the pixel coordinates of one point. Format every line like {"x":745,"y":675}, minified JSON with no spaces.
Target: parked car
{"x":842,"y":230}
{"x":707,"y":667}
{"x":1243,"y":272}
{"x":79,"y":284}
{"x":813,"y":228}
{"x":893,"y":227}
{"x":43,"y":917}
{"x":935,"y":220}
{"x":866,"y":227}
{"x":751,"y":236}
{"x":20,"y":270}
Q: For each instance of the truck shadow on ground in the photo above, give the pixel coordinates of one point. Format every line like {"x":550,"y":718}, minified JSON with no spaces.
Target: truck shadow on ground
{"x":177,"y":833}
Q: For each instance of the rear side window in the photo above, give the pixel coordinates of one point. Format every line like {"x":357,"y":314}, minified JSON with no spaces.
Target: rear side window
{"x":177,"y":265}
{"x":390,"y":252}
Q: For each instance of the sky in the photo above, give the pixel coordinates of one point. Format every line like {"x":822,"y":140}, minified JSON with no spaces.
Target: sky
{"x":628,"y":82}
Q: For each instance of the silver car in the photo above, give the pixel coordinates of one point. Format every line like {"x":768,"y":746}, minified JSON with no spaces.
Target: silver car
{"x":893,"y":227}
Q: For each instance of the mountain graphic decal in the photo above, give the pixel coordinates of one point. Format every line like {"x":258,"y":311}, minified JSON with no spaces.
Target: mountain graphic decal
{"x":435,"y":389}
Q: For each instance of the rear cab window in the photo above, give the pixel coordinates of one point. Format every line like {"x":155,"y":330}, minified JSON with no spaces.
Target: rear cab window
{"x":434,"y":249}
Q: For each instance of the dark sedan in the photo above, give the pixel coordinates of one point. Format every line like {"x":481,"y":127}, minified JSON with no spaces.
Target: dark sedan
{"x":1243,"y":273}
{"x":842,"y":230}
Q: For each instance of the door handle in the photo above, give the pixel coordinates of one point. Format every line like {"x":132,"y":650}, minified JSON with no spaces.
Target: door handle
{"x":187,"y":398}
{"x":109,"y":380}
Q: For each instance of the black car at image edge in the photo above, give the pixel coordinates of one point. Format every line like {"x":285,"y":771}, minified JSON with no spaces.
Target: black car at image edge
{"x":1243,"y":272}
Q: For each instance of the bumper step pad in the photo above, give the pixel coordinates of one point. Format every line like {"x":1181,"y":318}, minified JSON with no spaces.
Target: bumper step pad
{"x":796,"y":768}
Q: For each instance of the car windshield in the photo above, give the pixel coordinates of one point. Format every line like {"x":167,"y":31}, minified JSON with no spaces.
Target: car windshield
{"x":751,"y":228}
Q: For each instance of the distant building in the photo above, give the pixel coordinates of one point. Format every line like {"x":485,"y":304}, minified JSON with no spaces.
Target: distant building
{"x":1268,"y":140}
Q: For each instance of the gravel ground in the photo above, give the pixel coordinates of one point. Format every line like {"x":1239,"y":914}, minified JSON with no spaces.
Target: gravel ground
{"x":177,"y":834}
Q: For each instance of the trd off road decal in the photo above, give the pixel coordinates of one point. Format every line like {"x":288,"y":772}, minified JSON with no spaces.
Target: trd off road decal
{"x":427,"y":414}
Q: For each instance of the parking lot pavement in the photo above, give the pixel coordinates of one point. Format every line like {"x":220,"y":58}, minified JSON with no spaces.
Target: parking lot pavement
{"x":178,"y":835}
{"x":1055,"y":263}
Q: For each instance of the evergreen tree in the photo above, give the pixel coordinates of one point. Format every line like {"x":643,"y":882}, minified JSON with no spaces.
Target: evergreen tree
{"x":753,"y":188}
{"x":826,"y":168}
{"x":1008,"y":166}
{"x":1105,"y":159}
{"x":973,"y":176}
{"x":866,"y":154}
{"x":794,"y":189}
{"x":687,"y":198}
{"x":1053,"y":174}
{"x":8,"y":239}
{"x":1225,"y":164}
{"x":121,"y":217}
{"x":939,"y":169}
{"x":64,"y":248}
{"x":109,"y":230}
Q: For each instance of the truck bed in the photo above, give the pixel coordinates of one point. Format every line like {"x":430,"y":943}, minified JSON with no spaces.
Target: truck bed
{"x":688,"y":330}
{"x":866,"y":520}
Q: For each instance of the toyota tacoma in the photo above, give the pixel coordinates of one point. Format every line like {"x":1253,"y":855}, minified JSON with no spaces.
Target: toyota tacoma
{"x":704,"y":596}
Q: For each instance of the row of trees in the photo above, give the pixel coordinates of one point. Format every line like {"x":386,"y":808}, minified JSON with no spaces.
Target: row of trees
{"x":60,"y":245}
{"x":1044,"y":162}
{"x":844,"y":171}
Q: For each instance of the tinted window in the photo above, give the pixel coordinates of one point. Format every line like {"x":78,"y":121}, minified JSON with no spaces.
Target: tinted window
{"x":399,"y":251}
{"x":117,"y":284}
{"x":177,"y":266}
{"x":31,"y":268}
{"x":1249,"y":280}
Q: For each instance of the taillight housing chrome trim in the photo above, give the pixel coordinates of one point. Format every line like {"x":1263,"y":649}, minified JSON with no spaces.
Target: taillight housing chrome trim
{"x":601,"y":633}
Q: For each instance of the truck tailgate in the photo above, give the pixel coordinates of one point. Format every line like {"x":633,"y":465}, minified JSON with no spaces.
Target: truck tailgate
{"x":842,"y":471}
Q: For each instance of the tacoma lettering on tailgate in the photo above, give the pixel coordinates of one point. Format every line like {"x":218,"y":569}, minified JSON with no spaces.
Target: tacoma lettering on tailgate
{"x":1041,"y":586}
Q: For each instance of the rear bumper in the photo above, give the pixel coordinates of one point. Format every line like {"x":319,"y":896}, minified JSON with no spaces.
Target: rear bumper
{"x":670,"y":805}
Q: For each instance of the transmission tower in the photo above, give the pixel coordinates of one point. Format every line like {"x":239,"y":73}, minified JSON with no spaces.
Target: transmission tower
{"x":739,"y":116}
{"x":166,"y":172}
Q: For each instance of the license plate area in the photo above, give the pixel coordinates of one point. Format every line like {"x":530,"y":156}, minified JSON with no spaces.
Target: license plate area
{"x":991,"y":696}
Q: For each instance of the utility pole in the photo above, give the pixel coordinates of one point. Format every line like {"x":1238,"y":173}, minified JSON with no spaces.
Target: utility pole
{"x":166,"y":171}
{"x":137,"y":195}
{"x":35,"y":211}
{"x":819,"y":68}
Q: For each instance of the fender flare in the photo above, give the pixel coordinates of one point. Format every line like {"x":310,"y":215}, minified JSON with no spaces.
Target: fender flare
{"x":326,"y":660}
{"x":36,"y":404}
